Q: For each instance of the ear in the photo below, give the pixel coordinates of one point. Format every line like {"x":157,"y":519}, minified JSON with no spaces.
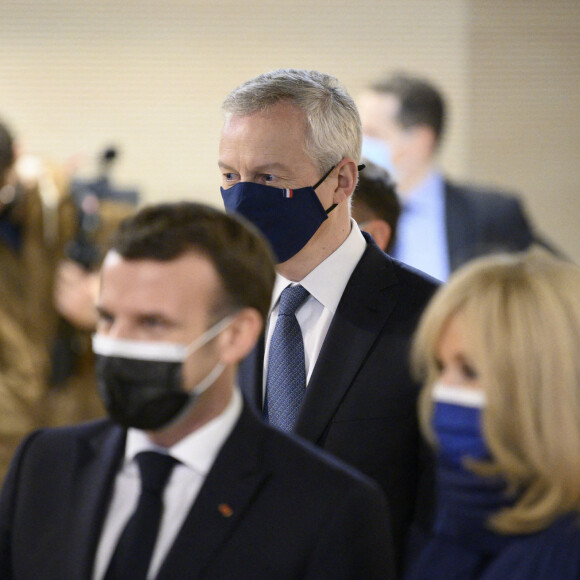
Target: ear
{"x":240,"y":337}
{"x":347,"y":177}
{"x":380,"y":230}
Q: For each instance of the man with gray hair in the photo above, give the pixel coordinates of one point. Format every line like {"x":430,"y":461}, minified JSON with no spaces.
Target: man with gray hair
{"x":332,"y":367}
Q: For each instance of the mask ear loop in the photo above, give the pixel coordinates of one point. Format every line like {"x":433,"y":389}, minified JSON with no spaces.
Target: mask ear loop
{"x":323,"y":177}
{"x":198,"y":390}
{"x":359,"y":167}
{"x":320,"y":181}
{"x":208,"y":381}
{"x":209,"y":334}
{"x":212,"y":377}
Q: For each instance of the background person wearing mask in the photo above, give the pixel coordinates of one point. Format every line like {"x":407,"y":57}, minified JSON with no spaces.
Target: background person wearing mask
{"x":333,"y":365}
{"x":498,"y":349}
{"x":442,"y":224}
{"x":184,"y":481}
{"x":39,"y":221}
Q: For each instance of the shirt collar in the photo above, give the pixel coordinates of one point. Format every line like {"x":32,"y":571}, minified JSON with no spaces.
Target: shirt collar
{"x":338,"y":267}
{"x":199,"y":449}
{"x":427,"y":195}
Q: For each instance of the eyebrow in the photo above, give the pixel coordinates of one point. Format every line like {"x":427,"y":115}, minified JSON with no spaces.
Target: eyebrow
{"x":141,"y":316}
{"x":264,"y":168}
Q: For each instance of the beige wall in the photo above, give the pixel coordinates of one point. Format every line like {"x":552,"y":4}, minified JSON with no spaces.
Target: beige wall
{"x":150,"y":76}
{"x":524,"y":102}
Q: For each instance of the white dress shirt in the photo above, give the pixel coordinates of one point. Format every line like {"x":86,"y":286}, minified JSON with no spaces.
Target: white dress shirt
{"x":326,"y":284}
{"x":196,"y":454}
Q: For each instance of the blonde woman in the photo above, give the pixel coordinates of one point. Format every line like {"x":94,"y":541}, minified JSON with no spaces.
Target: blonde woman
{"x":498,"y":349}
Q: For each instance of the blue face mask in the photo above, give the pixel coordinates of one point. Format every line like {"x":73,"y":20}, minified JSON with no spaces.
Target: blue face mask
{"x":379,"y":152}
{"x":465,"y":500}
{"x":287,"y":217}
{"x":457,"y":423}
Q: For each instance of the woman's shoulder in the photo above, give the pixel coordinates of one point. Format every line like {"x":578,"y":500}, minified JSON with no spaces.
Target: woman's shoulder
{"x":551,"y":553}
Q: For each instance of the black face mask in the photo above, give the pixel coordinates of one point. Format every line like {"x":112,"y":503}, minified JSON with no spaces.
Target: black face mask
{"x":141,"y":382}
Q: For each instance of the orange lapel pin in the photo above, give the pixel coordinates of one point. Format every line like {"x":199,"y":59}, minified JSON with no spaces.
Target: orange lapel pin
{"x":225,"y":510}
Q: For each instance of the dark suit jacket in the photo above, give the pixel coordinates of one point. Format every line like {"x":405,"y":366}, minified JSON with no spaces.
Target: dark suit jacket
{"x":482,"y":221}
{"x":360,"y":402}
{"x":296,"y":514}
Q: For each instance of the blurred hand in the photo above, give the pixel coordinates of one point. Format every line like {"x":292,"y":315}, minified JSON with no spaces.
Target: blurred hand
{"x":75,"y":294}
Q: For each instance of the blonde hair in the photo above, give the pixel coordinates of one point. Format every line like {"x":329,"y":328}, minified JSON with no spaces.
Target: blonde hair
{"x":333,"y":124}
{"x":522,"y":314}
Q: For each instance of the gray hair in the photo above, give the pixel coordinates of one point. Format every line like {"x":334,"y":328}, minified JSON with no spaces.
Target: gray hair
{"x":333,"y":123}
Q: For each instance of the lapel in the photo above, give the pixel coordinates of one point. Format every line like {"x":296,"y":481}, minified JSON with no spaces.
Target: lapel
{"x":459,"y":218}
{"x":233,"y":481}
{"x":250,"y":375}
{"x":96,"y":463}
{"x":368,"y":299}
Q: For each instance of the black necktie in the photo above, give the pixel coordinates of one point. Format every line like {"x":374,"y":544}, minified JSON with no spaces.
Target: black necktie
{"x":132,"y":555}
{"x":286,"y":379}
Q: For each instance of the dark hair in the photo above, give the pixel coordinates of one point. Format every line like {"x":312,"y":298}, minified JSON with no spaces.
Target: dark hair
{"x":240,"y":255}
{"x":6,"y":151}
{"x":421,"y":102}
{"x":375,"y":198}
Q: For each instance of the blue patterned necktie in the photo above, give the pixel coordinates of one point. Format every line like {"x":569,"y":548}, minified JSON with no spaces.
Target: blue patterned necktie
{"x":286,"y":378}
{"x":135,"y":546}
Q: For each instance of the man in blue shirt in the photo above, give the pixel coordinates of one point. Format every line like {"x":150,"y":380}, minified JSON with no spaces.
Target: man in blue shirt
{"x":442,"y":225}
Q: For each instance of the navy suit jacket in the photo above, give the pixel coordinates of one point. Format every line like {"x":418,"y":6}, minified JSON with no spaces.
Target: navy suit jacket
{"x":296,"y":513}
{"x":482,"y":221}
{"x":360,"y":401}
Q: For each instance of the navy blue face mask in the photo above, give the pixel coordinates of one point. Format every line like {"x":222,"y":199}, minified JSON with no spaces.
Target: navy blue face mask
{"x":287,"y":217}
{"x":457,"y":422}
{"x":465,"y":500}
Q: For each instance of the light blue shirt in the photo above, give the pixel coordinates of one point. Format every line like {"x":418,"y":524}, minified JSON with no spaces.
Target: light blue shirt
{"x":421,"y":238}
